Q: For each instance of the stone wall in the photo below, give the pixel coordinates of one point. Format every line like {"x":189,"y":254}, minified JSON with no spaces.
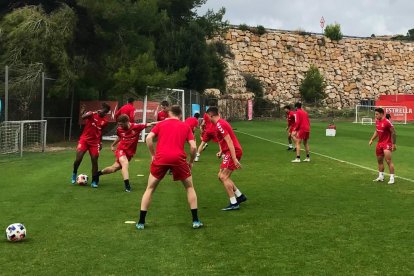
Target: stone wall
{"x":354,"y":69}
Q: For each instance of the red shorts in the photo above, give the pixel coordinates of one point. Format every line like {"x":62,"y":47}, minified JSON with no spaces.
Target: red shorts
{"x":208,"y":135}
{"x":302,"y":135}
{"x":180,"y":172}
{"x":227,"y":161}
{"x":120,"y":153}
{"x":92,"y":147}
{"x":379,"y":151}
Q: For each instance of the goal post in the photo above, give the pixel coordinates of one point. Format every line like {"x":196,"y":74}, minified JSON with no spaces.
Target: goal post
{"x":365,"y":114}
{"x":22,"y":136}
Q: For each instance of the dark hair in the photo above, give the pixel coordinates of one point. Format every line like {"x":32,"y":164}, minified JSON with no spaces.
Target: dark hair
{"x":176,"y":110}
{"x":165,"y":103}
{"x":197,"y":115}
{"x":106,"y":107}
{"x":298,"y":105}
{"x":388,"y":116}
{"x":131,"y":100}
{"x":213,"y":110}
{"x":123,"y":118}
{"x":379,"y":110}
{"x":287,"y":107}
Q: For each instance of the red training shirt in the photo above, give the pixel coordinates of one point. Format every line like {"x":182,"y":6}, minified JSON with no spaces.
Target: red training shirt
{"x":129,"y":137}
{"x":290,"y":117}
{"x":162,"y":115}
{"x":223,"y":129}
{"x":302,"y":120}
{"x":384,"y":127}
{"x":209,"y":126}
{"x":93,"y":127}
{"x":192,"y":122}
{"x":172,"y":135}
{"x":127,"y":109}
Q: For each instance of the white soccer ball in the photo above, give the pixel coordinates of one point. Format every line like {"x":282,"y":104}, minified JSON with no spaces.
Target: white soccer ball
{"x":15,"y":232}
{"x":82,"y":179}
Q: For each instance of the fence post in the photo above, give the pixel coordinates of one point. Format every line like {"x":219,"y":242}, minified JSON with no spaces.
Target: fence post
{"x":6,"y":94}
{"x":21,"y":137}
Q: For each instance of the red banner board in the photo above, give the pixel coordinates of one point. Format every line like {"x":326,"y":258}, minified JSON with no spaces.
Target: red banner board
{"x":96,"y":105}
{"x":397,"y":106}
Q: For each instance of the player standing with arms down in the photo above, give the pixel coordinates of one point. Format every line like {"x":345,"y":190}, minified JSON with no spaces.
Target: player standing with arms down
{"x":170,"y":155}
{"x":127,"y":141}
{"x":127,"y":109}
{"x":90,"y":139}
{"x":301,"y":132}
{"x":208,"y":132}
{"x":232,"y":152}
{"x":387,"y":138}
{"x":163,"y":114}
{"x":290,"y":117}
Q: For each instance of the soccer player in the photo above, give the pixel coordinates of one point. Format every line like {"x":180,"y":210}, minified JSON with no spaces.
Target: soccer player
{"x":231,"y":153}
{"x":170,"y":155}
{"x":290,"y":117}
{"x":208,"y":132}
{"x":387,"y":138}
{"x":127,"y":109}
{"x":127,"y":141}
{"x":192,"y":122}
{"x":301,"y":131}
{"x":90,"y":139}
{"x":163,"y":114}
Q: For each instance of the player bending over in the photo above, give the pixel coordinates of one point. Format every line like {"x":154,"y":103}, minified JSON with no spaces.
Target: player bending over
{"x":387,"y":138}
{"x":208,"y":132}
{"x":90,"y":139}
{"x":170,"y":155}
{"x":301,"y":132}
{"x":127,"y":141}
{"x":232,"y":152}
{"x":290,"y":117}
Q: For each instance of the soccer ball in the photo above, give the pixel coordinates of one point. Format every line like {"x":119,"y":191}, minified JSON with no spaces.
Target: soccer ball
{"x":15,"y":232}
{"x":82,"y":179}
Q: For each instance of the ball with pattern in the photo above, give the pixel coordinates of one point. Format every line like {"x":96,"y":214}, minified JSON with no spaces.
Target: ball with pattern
{"x":82,"y":179}
{"x":15,"y":232}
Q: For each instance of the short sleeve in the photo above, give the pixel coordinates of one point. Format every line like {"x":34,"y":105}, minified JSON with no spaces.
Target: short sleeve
{"x":140,"y":127}
{"x":190,"y":135}
{"x":156,"y":129}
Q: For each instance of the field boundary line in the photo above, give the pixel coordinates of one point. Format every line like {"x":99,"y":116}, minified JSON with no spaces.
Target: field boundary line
{"x":323,"y":155}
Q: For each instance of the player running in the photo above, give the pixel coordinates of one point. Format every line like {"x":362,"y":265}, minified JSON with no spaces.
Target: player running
{"x":231,"y":153}
{"x":90,"y":139}
{"x":290,"y":117}
{"x":170,"y":155}
{"x":127,"y":141}
{"x":387,"y":138}
{"x":301,"y":132}
{"x":208,"y":132}
{"x":127,"y":109}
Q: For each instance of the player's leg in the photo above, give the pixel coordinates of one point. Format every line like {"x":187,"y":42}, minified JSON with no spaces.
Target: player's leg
{"x":290,"y":146}
{"x":146,"y":199}
{"x":306,"y":144}
{"x":108,"y":170}
{"x":199,"y":150}
{"x":123,"y":160}
{"x":230,"y":188}
{"x":380,"y":160}
{"x":297,"y":144}
{"x":78,"y":160}
{"x":192,"y":201}
{"x":94,"y":162}
{"x":388,"y":159}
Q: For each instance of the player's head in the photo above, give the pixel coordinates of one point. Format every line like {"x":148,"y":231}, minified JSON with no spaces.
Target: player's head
{"x":213,"y":113}
{"x":123,"y":121}
{"x":388,"y":116}
{"x":131,"y":100}
{"x":104,"y":110}
{"x":298,"y":105}
{"x":175,"y":111}
{"x":379,"y":113}
{"x":164,"y":105}
{"x":287,"y":108}
{"x":197,"y":115}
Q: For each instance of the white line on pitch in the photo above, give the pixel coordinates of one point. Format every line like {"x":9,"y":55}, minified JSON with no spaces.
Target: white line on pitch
{"x":323,"y":155}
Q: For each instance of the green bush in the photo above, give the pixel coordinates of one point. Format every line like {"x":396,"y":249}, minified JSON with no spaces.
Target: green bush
{"x":313,"y":86}
{"x":260,"y":30}
{"x":243,"y":27}
{"x":223,"y":49}
{"x":333,"y":31}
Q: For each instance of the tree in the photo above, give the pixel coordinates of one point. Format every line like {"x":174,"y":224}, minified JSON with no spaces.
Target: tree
{"x":313,"y":86}
{"x":333,"y":31}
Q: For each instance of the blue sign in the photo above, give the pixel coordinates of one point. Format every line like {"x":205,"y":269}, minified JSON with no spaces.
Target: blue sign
{"x":195,"y":108}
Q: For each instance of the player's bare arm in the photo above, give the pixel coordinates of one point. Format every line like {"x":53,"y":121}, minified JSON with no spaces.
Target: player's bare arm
{"x":150,"y":143}
{"x":113,"y":145}
{"x":374,"y":136}
{"x":87,"y":114}
{"x":393,"y":138}
{"x":193,"y":151}
{"x":232,"y":151}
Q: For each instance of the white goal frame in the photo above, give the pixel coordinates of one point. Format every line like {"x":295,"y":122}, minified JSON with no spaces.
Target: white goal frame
{"x":20,"y":136}
{"x":363,"y":117}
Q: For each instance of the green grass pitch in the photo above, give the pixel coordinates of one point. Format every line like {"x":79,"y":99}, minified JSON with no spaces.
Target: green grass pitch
{"x":325,"y":217}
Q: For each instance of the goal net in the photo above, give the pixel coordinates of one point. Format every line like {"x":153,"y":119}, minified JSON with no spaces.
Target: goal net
{"x":365,"y":114}
{"x":22,"y":136}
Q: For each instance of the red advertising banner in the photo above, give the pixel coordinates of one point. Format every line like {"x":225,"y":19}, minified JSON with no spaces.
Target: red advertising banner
{"x":397,"y":106}
{"x":96,"y":105}
{"x":250,"y":110}
{"x":152,"y":110}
